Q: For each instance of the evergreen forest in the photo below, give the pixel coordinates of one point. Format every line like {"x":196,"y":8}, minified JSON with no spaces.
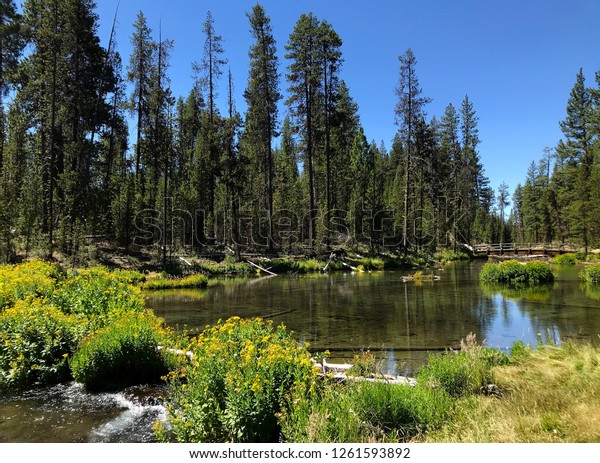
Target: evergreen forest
{"x":95,"y":147}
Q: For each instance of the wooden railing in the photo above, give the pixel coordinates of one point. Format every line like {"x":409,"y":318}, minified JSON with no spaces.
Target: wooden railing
{"x":528,"y":248}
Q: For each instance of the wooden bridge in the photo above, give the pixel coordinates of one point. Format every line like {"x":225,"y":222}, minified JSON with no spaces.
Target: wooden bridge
{"x":521,"y":249}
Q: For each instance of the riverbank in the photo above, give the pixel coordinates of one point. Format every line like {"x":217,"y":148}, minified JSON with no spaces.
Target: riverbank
{"x":218,"y":261}
{"x":550,"y":394}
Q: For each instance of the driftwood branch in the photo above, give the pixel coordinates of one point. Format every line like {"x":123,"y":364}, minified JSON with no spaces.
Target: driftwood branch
{"x":260,"y":268}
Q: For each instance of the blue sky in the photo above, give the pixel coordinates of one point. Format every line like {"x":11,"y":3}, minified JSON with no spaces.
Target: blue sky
{"x":516,"y":59}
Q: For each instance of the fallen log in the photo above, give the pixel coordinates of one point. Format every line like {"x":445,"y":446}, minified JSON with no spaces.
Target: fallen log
{"x":260,"y":268}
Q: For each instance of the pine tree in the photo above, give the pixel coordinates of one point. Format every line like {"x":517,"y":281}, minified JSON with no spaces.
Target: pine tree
{"x":304,"y":77}
{"x":410,"y":108}
{"x":330,"y":56}
{"x":288,"y":201}
{"x":208,"y":71}
{"x":139,"y":70}
{"x":262,"y":96}
{"x":11,"y":46}
{"x":577,"y":156}
{"x":503,"y":203}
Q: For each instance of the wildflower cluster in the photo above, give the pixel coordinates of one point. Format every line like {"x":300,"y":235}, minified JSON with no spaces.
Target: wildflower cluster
{"x":46,"y":315}
{"x":237,"y":383}
{"x":95,"y":292}
{"x":17,"y":282}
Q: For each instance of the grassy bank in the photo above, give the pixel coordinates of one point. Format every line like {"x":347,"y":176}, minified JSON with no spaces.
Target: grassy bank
{"x":551,"y":394}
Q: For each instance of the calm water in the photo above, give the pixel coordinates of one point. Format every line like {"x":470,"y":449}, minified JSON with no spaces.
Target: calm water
{"x":344,"y":313}
{"x":347,"y":312}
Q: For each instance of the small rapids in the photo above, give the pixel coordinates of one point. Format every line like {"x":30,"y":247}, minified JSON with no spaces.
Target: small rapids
{"x":67,"y":413}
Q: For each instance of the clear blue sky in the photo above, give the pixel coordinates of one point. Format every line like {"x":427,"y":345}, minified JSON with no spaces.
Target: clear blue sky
{"x":516,"y":59}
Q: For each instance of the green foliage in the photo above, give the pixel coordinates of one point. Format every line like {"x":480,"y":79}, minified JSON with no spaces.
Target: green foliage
{"x":519,"y":351}
{"x":31,"y":279}
{"x":224,"y":268}
{"x":364,"y":412}
{"x":371,"y":263}
{"x":286,"y":264}
{"x":458,"y":373}
{"x":51,"y":315}
{"x":193,"y":281}
{"x":565,"y":259}
{"x":591,"y":273}
{"x":133,"y":277}
{"x":450,"y":255}
{"x":512,"y":271}
{"x":36,"y":341}
{"x":237,"y":383}
{"x":96,"y":292}
{"x":123,"y":353}
{"x":364,"y":365}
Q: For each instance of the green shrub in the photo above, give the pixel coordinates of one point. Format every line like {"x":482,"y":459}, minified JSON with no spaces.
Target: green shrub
{"x":364,"y":412}
{"x":96,"y":292}
{"x":226,"y":267}
{"x":450,"y":255}
{"x":286,"y":264}
{"x":371,"y":263}
{"x":237,"y":383}
{"x":36,"y":341}
{"x":123,"y":353}
{"x":565,"y":259}
{"x":591,"y":273}
{"x":193,"y":281}
{"x":512,"y":271}
{"x":35,"y":279}
{"x":363,"y":365}
{"x":457,"y":373}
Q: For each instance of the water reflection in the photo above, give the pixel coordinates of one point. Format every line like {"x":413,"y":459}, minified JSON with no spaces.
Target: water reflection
{"x":346,"y":312}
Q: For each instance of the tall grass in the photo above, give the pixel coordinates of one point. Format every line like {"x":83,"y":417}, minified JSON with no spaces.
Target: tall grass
{"x":193,"y":281}
{"x":364,"y":412}
{"x":552,"y":394}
